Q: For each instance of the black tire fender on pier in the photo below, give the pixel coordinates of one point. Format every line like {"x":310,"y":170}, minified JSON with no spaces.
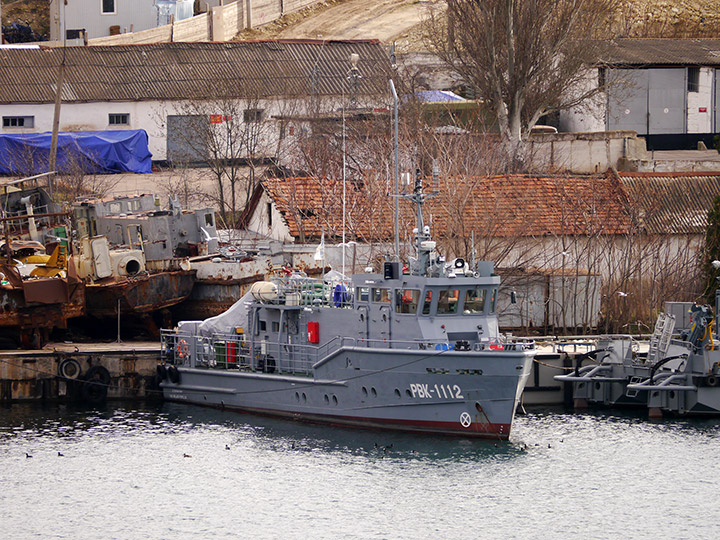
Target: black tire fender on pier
{"x":69,"y":369}
{"x":173,"y":374}
{"x":95,"y":387}
{"x":711,"y":380}
{"x":162,"y":372}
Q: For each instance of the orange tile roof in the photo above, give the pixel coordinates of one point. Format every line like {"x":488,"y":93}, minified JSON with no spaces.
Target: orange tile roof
{"x":501,"y":206}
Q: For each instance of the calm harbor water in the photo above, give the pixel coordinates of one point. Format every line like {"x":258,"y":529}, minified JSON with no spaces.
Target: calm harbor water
{"x":124,"y":474}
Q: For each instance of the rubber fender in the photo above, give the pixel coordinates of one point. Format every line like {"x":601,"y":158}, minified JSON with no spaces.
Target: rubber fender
{"x":95,"y":388}
{"x":711,"y":380}
{"x":173,"y":374}
{"x":162,"y":372}
{"x":69,"y":369}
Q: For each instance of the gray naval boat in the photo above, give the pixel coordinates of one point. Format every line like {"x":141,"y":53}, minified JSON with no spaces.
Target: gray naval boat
{"x":418,"y":351}
{"x":679,"y":375}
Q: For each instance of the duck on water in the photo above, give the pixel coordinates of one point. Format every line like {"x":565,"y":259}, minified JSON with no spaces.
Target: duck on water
{"x":411,"y":352}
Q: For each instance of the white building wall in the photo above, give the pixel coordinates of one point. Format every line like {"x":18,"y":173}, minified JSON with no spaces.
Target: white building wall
{"x":699,"y":104}
{"x":148,"y":115}
{"x":268,"y":221}
{"x":588,"y":116}
{"x":78,"y":14}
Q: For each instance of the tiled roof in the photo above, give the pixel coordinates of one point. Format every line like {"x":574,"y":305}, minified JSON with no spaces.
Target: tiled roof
{"x":661,"y":52}
{"x":500,"y":206}
{"x":166,"y":71}
{"x":672,"y":203}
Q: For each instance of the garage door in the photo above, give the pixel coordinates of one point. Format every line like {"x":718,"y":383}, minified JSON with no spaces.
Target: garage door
{"x":628,"y":103}
{"x":649,"y":101}
{"x":186,"y":135}
{"x":666,"y":98}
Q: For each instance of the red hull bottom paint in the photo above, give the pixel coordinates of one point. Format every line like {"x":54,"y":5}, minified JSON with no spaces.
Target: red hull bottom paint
{"x":476,"y":430}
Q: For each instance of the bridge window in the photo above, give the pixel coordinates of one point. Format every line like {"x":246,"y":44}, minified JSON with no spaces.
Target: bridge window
{"x":363,"y":294}
{"x":448,"y":301}
{"x":407,"y":300}
{"x":427,"y":302}
{"x":493,"y":300}
{"x":474,"y":301}
{"x":381,"y":295}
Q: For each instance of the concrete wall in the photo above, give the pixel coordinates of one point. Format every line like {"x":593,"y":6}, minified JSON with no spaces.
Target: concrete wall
{"x":219,"y":23}
{"x":584,"y":153}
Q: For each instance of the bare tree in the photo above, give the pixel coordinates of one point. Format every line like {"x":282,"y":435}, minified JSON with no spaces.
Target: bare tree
{"x":224,"y":130}
{"x":526,"y":58}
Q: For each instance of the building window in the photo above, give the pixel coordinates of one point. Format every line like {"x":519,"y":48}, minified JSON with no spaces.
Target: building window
{"x":119,"y":119}
{"x":602,"y":74}
{"x":107,"y":7}
{"x":693,"y":79}
{"x":253,"y":115}
{"x":269,"y":214}
{"x":18,"y":121}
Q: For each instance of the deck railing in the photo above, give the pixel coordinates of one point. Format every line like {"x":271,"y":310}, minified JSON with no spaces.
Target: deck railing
{"x":234,"y":351}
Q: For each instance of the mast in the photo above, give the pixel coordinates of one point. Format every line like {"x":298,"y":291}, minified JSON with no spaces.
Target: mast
{"x":422,"y":232}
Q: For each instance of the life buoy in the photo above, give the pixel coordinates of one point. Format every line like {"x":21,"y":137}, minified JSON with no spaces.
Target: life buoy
{"x":95,"y":388}
{"x":162,"y":372}
{"x":173,"y":374}
{"x":69,"y":369}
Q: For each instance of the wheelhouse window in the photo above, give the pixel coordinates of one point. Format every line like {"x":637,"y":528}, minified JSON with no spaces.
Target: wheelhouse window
{"x":474,"y":301}
{"x":448,"y":301}
{"x":493,"y":300}
{"x":107,"y":7}
{"x":119,"y":119}
{"x":407,"y":300}
{"x":427,"y":303}
{"x":18,"y":121}
{"x":363,"y":294}
{"x":381,"y":295}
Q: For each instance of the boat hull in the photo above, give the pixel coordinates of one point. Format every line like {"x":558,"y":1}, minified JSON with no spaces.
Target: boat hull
{"x":472,"y":395}
{"x":139,"y":294}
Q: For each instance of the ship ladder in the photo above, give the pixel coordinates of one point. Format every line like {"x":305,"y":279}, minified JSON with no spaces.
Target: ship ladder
{"x":660,"y":340}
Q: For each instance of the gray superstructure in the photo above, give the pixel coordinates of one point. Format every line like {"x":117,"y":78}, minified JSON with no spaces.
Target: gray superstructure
{"x":417,"y":351}
{"x":680,"y":373}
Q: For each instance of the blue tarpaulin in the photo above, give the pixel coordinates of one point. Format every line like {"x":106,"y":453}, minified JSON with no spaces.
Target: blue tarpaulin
{"x":90,"y":152}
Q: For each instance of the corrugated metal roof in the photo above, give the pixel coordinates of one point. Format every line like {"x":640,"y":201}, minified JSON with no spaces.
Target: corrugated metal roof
{"x":167,"y":71}
{"x":672,"y":203}
{"x":661,"y":52}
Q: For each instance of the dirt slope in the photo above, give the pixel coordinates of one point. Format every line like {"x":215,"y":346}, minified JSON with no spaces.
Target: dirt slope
{"x":386,"y":20}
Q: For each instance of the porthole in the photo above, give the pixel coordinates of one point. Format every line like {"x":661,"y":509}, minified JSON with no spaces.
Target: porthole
{"x":408,"y":393}
{"x":373,"y":392}
{"x":297,"y":396}
{"x":304,"y":397}
{"x":364,"y":391}
{"x":672,"y":394}
{"x":397,"y":393}
{"x":335,"y":401}
{"x":597,"y":386}
{"x":327,"y":399}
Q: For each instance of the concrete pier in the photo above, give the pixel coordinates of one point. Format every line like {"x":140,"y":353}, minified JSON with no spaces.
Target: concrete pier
{"x":89,"y":372}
